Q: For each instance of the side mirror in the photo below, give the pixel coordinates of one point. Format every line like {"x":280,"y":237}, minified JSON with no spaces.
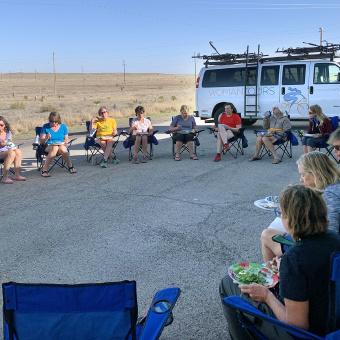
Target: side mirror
{"x":338,"y":76}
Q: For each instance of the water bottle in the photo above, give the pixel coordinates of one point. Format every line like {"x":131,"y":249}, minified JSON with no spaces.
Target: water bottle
{"x":36,"y":139}
{"x":202,"y":152}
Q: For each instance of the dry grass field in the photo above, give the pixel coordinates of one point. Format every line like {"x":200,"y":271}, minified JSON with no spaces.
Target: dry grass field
{"x":26,"y":99}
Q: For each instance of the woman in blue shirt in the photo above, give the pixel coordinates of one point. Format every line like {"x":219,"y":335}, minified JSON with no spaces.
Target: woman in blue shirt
{"x":54,"y":137}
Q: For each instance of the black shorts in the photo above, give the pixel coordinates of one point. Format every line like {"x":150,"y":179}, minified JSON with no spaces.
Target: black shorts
{"x":183,"y":137}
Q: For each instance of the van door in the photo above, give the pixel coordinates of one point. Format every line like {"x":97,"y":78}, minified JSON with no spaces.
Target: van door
{"x":294,"y":89}
{"x":324,"y":88}
{"x":269,"y":91}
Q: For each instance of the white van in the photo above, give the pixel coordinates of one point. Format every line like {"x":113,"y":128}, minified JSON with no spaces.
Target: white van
{"x":254,"y":84}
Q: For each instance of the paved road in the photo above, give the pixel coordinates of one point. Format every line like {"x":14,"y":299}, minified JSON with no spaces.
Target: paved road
{"x":163,"y":223}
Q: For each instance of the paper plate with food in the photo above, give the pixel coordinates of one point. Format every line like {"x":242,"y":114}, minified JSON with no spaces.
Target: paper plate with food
{"x":58,"y":143}
{"x":273,"y":201}
{"x":246,"y":273}
{"x":264,"y":204}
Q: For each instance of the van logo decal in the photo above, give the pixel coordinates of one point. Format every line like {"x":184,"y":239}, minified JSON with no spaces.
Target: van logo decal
{"x":293,"y":96}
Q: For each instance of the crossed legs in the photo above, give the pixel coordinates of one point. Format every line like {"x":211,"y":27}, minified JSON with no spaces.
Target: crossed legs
{"x":222,"y":138}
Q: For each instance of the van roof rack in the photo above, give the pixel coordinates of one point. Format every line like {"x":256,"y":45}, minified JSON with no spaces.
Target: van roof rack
{"x":327,"y":51}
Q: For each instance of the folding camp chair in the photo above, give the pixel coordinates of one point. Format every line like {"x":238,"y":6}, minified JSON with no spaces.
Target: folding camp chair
{"x":40,"y":154}
{"x":238,"y":142}
{"x":284,"y":145}
{"x":244,"y":307}
{"x":83,"y":311}
{"x":92,"y":149}
{"x":129,"y":144}
{"x":326,"y":146}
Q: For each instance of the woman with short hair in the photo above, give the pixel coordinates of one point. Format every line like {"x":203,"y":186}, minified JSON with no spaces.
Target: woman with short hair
{"x":304,"y":270}
{"x":53,"y":138}
{"x":276,"y":124}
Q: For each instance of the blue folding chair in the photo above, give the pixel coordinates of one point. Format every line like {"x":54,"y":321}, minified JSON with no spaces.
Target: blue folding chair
{"x":40,"y":154}
{"x":92,"y":149}
{"x":326,"y":146}
{"x":83,"y":311}
{"x":333,"y":333}
{"x":129,"y":143}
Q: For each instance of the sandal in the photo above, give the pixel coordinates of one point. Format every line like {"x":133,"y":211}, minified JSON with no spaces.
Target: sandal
{"x":19,"y":178}
{"x":276,"y":161}
{"x":72,"y":170}
{"x":254,"y":158}
{"x":177,"y":158}
{"x":194,"y":157}
{"x":6,"y":181}
{"x":45,"y":174}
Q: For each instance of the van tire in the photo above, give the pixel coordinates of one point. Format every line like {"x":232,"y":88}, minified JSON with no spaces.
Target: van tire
{"x":248,"y":122}
{"x":217,"y":115}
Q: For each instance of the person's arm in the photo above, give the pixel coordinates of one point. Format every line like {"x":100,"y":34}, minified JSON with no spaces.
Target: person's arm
{"x":44,"y":137}
{"x":333,"y":207}
{"x":150,"y":129}
{"x":174,"y":126}
{"x":286,"y":124}
{"x":294,"y":313}
{"x":92,"y":123}
{"x":66,"y":139}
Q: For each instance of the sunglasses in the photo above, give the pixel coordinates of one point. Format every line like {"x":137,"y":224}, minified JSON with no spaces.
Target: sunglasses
{"x":103,"y":112}
{"x":337,"y":147}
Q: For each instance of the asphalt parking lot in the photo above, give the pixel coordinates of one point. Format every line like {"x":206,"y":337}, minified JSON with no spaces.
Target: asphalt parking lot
{"x":163,"y":223}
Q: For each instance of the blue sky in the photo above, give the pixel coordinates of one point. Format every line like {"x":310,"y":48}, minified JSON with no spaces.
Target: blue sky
{"x":152,"y":36}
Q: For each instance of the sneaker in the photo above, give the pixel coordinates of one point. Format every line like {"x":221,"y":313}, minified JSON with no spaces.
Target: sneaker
{"x":217,"y":158}
{"x":144,"y":160}
{"x":226,"y":147}
{"x":135,"y":160}
{"x":104,"y":164}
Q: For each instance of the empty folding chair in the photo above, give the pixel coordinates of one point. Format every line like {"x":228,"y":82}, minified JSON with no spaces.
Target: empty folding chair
{"x":83,"y":311}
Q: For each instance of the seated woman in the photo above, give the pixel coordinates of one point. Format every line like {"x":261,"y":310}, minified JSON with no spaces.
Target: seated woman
{"x":184,"y":123}
{"x":320,"y":126}
{"x":10,"y":156}
{"x":229,"y":125}
{"x":52,"y":133}
{"x":317,"y":171}
{"x":334,"y":140}
{"x":276,"y":125}
{"x":106,"y":127}
{"x":304,"y":271}
{"x":140,"y":129}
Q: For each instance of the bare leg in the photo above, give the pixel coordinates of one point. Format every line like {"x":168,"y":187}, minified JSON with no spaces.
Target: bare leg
{"x":258,"y":146}
{"x":8,"y":157}
{"x":270,"y":249}
{"x":268,"y":141}
{"x":144,"y":144}
{"x":191,"y":148}
{"x":17,"y":162}
{"x":137,"y":145}
{"x":108,"y":149}
{"x":52,"y":151}
{"x":310,"y":149}
{"x":304,"y":148}
{"x":178,"y":148}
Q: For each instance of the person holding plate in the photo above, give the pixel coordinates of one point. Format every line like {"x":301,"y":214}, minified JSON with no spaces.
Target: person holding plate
{"x":304,"y":272}
{"x":53,"y":138}
{"x":319,"y":129}
{"x":276,"y":124}
{"x":140,"y":129}
{"x":184,"y":128}
{"x":106,"y":127}
{"x":229,"y":125}
{"x":8,"y":155}
{"x":317,"y":171}
{"x":334,"y":140}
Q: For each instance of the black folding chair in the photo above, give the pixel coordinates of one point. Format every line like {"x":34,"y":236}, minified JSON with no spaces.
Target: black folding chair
{"x":283,"y":145}
{"x":92,"y":149}
{"x":238,"y":142}
{"x":40,"y":154}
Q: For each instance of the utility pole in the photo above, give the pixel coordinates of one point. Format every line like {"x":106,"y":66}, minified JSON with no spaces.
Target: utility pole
{"x":195,"y":65}
{"x":124,"y":69}
{"x":55,"y":76}
{"x":321,"y":33}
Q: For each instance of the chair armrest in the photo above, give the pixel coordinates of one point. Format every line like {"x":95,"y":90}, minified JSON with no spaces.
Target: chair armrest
{"x":243,"y":306}
{"x":156,"y":320}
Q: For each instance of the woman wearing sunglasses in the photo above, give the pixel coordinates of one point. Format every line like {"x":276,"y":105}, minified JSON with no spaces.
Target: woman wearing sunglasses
{"x":303,"y":299}
{"x":319,"y":129}
{"x":53,"y":138}
{"x":106,"y":130}
{"x":8,"y":155}
{"x":317,"y":171}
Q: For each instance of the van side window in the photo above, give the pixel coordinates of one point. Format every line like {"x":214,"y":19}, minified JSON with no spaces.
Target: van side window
{"x":228,"y":77}
{"x":270,"y":75}
{"x":325,"y":73}
{"x":294,"y":74}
